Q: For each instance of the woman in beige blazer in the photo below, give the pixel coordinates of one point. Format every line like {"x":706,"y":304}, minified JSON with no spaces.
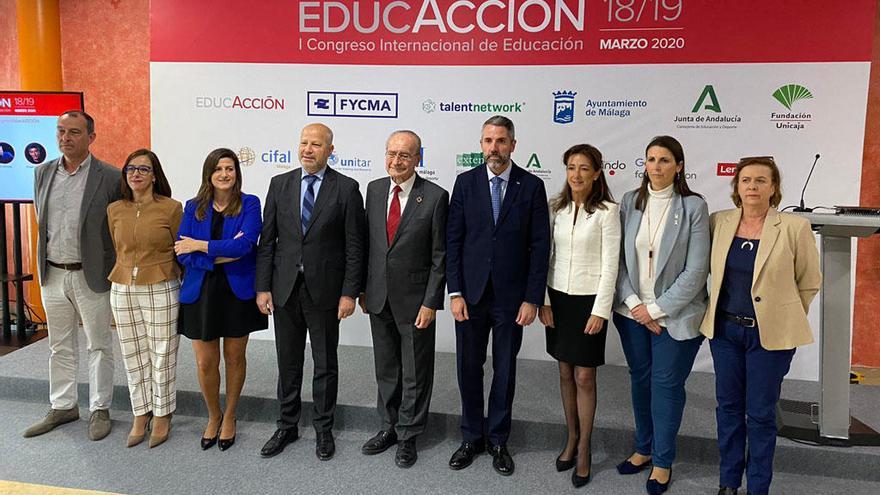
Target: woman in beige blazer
{"x":764,"y":274}
{"x":585,"y":233}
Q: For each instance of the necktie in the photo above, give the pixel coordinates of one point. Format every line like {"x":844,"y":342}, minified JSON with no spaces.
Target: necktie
{"x":308,"y":202}
{"x":393,"y":215}
{"x":496,"y":197}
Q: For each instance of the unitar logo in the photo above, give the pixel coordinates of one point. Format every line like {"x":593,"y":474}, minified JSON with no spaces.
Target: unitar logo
{"x":713,"y":105}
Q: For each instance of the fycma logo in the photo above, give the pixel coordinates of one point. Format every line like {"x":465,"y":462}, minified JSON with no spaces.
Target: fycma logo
{"x":787,"y":96}
{"x":431,"y":106}
{"x":352,"y":104}
{"x":563,"y":107}
{"x":708,"y":113}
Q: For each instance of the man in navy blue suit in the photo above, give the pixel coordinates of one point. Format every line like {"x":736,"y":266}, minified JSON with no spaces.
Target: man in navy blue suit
{"x":498,"y":244}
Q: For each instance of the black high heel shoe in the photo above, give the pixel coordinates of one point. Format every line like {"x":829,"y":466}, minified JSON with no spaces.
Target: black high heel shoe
{"x":207,"y":443}
{"x":566,"y":465}
{"x":225,"y":443}
{"x":580,"y":481}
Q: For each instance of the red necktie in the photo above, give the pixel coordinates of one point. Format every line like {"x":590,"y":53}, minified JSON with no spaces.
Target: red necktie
{"x":393,"y":215}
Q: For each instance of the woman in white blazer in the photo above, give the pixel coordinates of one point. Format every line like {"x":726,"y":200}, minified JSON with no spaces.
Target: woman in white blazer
{"x":585,"y":233}
{"x":661,"y":300}
{"x":765,"y":272}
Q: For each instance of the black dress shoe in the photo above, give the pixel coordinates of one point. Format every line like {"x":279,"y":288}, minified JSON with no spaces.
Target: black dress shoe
{"x":225,"y":443}
{"x":565,"y":465}
{"x":380,"y":443}
{"x":654,"y":487}
{"x":279,"y":440}
{"x":325,"y":447}
{"x":627,"y":467}
{"x":464,"y":456}
{"x":578,"y":481}
{"x":726,"y":490}
{"x":207,"y":443}
{"x":406,"y":453}
{"x":501,"y":460}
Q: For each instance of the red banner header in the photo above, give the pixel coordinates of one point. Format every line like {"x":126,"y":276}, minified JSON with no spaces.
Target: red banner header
{"x":38,"y":104}
{"x":511,"y":32}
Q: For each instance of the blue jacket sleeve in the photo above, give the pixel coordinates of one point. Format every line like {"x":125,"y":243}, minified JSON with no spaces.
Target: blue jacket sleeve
{"x":251,"y":225}
{"x":198,"y":259}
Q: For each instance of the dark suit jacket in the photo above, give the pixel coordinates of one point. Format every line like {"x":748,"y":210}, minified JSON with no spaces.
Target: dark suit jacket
{"x":514,"y":254}
{"x":239,"y":273}
{"x":332,"y":249}
{"x":96,"y":246}
{"x":411,"y":272}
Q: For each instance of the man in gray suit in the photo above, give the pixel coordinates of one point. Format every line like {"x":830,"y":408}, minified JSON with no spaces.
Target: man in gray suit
{"x":309,"y":273}
{"x":406,"y":275}
{"x":74,"y":256}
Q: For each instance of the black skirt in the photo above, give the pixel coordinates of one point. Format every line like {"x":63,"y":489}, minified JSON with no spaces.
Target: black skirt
{"x":218,"y":312}
{"x":567,"y":341}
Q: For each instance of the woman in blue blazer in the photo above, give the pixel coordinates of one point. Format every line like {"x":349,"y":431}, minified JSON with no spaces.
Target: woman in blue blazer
{"x":660,"y":302}
{"x":217,"y":247}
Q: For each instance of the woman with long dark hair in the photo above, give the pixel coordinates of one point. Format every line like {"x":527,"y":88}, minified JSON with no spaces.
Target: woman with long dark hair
{"x":144,"y":292}
{"x":660,"y":303}
{"x":585,"y":233}
{"x":217,"y":246}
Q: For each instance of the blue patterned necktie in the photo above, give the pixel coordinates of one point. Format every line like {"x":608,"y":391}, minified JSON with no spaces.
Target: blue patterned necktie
{"x":308,"y":201}
{"x":496,"y":197}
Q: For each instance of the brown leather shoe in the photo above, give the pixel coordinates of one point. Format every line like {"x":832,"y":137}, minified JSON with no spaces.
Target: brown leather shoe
{"x":99,"y":424}
{"x":161,"y":422}
{"x":54,"y":418}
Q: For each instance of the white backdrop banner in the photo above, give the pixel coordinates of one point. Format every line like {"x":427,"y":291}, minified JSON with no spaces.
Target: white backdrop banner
{"x":753,"y":79}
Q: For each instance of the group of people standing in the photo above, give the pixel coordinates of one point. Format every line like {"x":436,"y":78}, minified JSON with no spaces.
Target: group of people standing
{"x":506,"y":256}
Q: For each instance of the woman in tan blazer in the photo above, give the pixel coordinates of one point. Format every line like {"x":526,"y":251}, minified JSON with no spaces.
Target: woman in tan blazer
{"x":764,"y":274}
{"x":144,"y":292}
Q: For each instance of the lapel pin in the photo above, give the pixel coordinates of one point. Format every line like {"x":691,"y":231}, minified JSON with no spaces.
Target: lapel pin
{"x":418,"y":199}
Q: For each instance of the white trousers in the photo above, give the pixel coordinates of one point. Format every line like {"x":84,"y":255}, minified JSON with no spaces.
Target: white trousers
{"x":68,"y":299}
{"x":146,"y":321}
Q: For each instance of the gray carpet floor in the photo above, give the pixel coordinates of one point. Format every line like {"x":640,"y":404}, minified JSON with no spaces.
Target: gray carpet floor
{"x":67,"y":458}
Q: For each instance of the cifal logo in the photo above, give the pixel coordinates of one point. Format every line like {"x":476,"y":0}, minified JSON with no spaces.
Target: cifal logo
{"x":469,"y":160}
{"x":352,"y":104}
{"x":281,"y":158}
{"x":725,"y":169}
{"x":430,"y":16}
{"x":706,"y":113}
{"x":239,"y":102}
{"x":246,"y":156}
{"x":431,"y":106}
{"x":563,"y":107}
{"x":787,"y":96}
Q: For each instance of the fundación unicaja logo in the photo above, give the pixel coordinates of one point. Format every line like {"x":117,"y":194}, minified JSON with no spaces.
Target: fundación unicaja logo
{"x":787,"y":96}
{"x":563,"y":107}
{"x":246,"y":156}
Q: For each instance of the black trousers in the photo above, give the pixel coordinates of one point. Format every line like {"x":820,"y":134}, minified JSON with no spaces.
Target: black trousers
{"x":292,"y":321}
{"x":404,"y":357}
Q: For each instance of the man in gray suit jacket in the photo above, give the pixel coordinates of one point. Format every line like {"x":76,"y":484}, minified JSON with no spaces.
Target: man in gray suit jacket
{"x":406,"y":275}
{"x":74,"y":256}
{"x":309,"y":273}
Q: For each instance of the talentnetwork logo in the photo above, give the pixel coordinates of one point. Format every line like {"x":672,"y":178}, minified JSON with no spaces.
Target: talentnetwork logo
{"x":462,"y":16}
{"x":787,"y":96}
{"x":352,"y":104}
{"x":431,"y":106}
{"x":238,"y":102}
{"x":706,"y":113}
{"x":563,"y":107}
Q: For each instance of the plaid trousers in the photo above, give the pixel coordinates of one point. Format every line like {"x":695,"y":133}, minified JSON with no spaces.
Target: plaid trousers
{"x":146,"y":321}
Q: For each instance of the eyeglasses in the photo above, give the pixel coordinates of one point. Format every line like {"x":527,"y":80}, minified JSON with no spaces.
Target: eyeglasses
{"x":404,"y":157}
{"x":747,"y":160}
{"x":140,"y":170}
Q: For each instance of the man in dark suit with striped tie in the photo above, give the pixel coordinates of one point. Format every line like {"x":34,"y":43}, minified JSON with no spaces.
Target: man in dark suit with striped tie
{"x":309,"y":271}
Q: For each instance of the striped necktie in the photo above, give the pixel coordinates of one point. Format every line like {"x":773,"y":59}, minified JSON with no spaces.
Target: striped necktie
{"x":308,"y":201}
